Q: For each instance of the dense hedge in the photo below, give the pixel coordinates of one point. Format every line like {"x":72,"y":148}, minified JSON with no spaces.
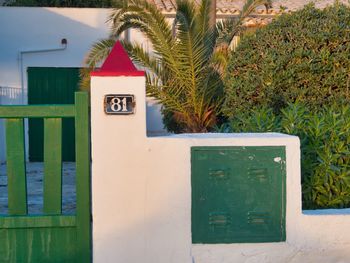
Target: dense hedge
{"x":325,"y":148}
{"x":303,"y":56}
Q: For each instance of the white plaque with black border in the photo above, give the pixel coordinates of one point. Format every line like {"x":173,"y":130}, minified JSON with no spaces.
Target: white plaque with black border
{"x":119,"y":104}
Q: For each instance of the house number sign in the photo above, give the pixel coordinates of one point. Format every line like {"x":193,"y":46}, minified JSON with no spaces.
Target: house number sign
{"x":119,"y":104}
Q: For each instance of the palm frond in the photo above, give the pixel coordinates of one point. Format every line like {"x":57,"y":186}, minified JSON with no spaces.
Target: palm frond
{"x":84,"y":76}
{"x":202,"y":19}
{"x":184,"y":72}
{"x":163,"y":44}
{"x":139,"y":6}
{"x":143,"y":59}
{"x":251,"y":5}
{"x":141,"y":15}
{"x":184,"y":39}
{"x":230,"y":28}
{"x":207,"y":34}
{"x":99,"y":52}
{"x":225,"y":29}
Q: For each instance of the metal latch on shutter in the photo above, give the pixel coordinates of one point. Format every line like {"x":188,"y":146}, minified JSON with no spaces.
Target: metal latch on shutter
{"x":257,"y":218}
{"x":219,"y":173}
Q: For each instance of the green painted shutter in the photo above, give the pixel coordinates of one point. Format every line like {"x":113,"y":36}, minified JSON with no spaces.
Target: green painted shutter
{"x":238,"y":194}
{"x":51,"y":86}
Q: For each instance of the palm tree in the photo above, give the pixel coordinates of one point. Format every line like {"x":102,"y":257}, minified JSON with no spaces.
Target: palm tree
{"x":185,"y":70}
{"x":212,"y":14}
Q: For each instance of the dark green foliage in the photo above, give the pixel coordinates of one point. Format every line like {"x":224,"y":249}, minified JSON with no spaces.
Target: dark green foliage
{"x":300,"y":58}
{"x":60,"y":3}
{"x":170,"y":122}
{"x":325,"y":148}
{"x":303,"y":56}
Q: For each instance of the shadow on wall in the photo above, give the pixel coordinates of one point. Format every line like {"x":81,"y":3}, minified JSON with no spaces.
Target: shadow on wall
{"x":35,"y":29}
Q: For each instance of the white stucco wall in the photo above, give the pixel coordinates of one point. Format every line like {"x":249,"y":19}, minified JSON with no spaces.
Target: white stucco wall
{"x":141,"y":194}
{"x":35,"y":29}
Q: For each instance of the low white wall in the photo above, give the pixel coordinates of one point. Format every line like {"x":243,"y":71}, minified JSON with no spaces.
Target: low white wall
{"x":141,"y":194}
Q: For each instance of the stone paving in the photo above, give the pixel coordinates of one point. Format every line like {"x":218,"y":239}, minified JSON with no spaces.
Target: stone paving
{"x":35,"y":188}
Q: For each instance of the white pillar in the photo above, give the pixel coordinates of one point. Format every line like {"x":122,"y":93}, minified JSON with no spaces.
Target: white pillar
{"x":117,"y":221}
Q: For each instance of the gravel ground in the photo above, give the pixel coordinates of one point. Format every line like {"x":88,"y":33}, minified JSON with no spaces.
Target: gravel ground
{"x":35,"y":188}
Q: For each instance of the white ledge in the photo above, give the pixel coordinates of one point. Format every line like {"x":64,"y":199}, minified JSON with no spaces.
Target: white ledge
{"x":318,"y":212}
{"x":227,"y":135}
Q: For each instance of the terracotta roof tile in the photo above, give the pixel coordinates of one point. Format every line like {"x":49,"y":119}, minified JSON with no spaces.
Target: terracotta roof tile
{"x":233,"y":7}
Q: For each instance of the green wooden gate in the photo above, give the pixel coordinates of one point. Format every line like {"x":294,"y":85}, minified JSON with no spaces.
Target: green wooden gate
{"x":51,"y":237}
{"x":51,"y":86}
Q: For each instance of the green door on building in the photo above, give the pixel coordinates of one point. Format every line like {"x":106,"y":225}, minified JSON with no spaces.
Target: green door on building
{"x":51,"y":86}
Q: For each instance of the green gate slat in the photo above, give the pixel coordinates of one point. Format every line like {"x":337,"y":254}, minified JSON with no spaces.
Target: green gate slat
{"x":45,"y":221}
{"x":16,"y":171}
{"x":52,"y":166}
{"x":83,"y":176}
{"x":36,"y":111}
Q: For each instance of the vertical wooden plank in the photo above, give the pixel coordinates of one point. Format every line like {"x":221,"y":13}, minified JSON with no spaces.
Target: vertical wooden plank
{"x":52,"y":165}
{"x":82,"y":137}
{"x":16,"y":170}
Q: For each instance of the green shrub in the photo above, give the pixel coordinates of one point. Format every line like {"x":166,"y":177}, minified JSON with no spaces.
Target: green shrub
{"x":303,"y":56}
{"x":325,"y":148}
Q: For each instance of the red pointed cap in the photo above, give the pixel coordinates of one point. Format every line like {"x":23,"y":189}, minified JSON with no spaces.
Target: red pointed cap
{"x":118,"y":63}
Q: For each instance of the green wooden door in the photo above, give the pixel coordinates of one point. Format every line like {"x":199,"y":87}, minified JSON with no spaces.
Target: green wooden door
{"x":51,"y":86}
{"x":238,"y":194}
{"x":50,"y":237}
